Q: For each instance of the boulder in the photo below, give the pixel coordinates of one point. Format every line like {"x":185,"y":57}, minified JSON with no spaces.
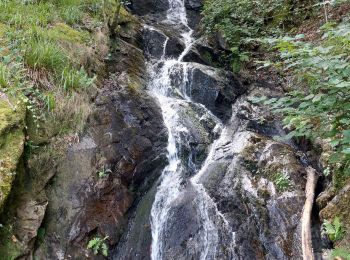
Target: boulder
{"x":216,"y":89}
{"x":193,"y":9}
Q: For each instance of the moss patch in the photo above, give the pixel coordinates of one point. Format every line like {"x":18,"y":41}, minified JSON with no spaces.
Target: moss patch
{"x":63,"y":32}
{"x":11,"y":146}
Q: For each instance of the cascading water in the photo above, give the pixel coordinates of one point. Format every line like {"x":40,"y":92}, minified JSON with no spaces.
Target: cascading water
{"x":175,"y":178}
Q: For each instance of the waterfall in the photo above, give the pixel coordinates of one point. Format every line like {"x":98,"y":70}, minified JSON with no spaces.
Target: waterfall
{"x":171,"y":99}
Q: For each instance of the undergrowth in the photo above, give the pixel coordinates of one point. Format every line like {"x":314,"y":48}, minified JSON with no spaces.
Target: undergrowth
{"x":41,"y":42}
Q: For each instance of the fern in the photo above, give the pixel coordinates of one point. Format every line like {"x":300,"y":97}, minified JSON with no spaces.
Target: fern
{"x":334,"y":230}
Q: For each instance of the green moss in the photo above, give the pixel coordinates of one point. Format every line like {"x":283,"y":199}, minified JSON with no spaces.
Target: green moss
{"x":125,"y":17}
{"x":11,"y":146}
{"x":10,"y":248}
{"x":340,"y":179}
{"x":63,"y":32}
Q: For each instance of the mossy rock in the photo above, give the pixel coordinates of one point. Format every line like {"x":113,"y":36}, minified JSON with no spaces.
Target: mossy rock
{"x":339,"y":207}
{"x":63,"y":32}
{"x":11,"y":145}
{"x":126,"y":17}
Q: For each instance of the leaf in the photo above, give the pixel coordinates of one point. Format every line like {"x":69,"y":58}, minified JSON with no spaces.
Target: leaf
{"x":343,"y":85}
{"x":317,"y":97}
{"x":308,"y":97}
{"x":346,"y":150}
{"x":104,"y":249}
{"x":92,"y":243}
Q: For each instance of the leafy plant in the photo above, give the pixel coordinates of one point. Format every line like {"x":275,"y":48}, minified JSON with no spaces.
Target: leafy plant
{"x":103,"y":172}
{"x":334,"y":229}
{"x":282,"y":181}
{"x":319,"y":107}
{"x":98,"y":245}
{"x":340,"y":253}
{"x":239,"y":21}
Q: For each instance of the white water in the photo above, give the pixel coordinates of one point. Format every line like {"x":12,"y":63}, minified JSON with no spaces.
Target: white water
{"x":170,"y":187}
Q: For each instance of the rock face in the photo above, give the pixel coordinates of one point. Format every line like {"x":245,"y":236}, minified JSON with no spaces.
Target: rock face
{"x":81,"y":187}
{"x":124,"y":147}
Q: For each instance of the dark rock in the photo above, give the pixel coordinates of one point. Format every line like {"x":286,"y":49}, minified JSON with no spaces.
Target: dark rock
{"x":193,"y":9}
{"x":148,"y":7}
{"x":117,"y":142}
{"x":153,"y":42}
{"x":203,"y":53}
{"x":214,"y":88}
{"x":194,"y":4}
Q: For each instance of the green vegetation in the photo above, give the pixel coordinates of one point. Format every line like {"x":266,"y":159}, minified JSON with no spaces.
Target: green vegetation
{"x":334,"y":230}
{"x":282,"y":181}
{"x":43,"y":47}
{"x":319,"y":107}
{"x":340,"y":253}
{"x":103,"y":172}
{"x":98,"y":245}
{"x":241,"y":21}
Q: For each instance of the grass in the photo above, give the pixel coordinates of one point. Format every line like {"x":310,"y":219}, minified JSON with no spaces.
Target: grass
{"x":44,"y":54}
{"x":42,"y":46}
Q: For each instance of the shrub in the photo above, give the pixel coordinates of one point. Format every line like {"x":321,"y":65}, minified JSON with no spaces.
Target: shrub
{"x":240,"y":20}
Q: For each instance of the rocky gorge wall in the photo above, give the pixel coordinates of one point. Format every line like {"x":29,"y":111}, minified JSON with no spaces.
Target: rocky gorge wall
{"x":104,"y":182}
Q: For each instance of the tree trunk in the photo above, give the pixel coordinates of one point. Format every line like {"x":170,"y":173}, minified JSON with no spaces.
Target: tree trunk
{"x":306,"y":236}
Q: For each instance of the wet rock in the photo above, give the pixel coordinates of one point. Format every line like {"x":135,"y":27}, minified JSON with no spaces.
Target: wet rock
{"x":216,"y":89}
{"x":194,"y":4}
{"x":160,"y":41}
{"x":153,"y":42}
{"x":147,"y":7}
{"x":193,"y":9}
{"x":245,"y":211}
{"x":201,"y":52}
